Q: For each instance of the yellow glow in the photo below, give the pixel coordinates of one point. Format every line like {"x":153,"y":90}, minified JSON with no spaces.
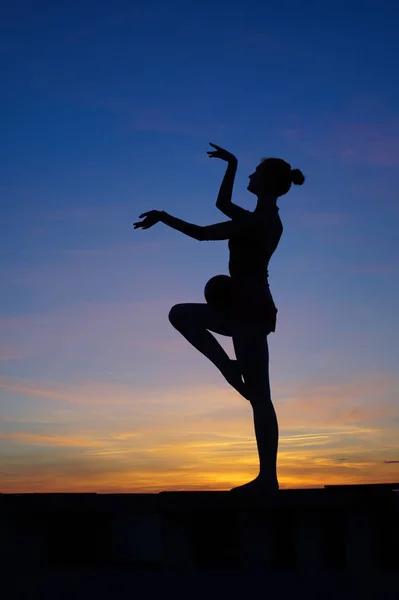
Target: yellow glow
{"x":208,"y":443}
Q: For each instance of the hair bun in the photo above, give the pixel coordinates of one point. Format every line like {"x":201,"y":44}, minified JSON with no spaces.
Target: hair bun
{"x":297,"y":177}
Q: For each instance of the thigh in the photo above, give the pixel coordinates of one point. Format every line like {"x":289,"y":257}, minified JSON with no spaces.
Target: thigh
{"x":205,"y":316}
{"x":252,"y":353}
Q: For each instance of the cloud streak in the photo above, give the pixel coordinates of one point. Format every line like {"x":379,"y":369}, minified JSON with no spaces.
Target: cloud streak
{"x":318,"y":220}
{"x":194,"y":438}
{"x":368,"y":143}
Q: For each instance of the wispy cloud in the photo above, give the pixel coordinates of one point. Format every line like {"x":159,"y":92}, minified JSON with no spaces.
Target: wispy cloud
{"x":365,"y":399}
{"x":50,"y":440}
{"x":130,"y":329}
{"x":370,"y":143}
{"x":9,"y":356}
{"x":368,"y":268}
{"x":117,"y":438}
{"x":96,"y":392}
{"x":357,"y":401}
{"x":9,"y":348}
{"x":173,"y":462}
{"x":324,"y":219}
{"x":123,"y":250}
{"x":375,"y":144}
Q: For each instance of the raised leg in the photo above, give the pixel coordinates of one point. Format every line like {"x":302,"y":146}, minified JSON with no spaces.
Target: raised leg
{"x":194,"y":321}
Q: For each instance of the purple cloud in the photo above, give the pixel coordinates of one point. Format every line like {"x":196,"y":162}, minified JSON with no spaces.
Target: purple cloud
{"x":372,"y":143}
{"x":324,"y":219}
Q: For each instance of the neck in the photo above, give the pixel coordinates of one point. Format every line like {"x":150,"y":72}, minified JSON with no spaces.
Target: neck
{"x":265,"y":203}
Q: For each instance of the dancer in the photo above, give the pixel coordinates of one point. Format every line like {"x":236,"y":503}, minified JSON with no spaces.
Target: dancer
{"x":251,"y":315}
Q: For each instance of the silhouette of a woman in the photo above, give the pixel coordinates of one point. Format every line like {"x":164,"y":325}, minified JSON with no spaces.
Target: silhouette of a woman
{"x":251,"y":316}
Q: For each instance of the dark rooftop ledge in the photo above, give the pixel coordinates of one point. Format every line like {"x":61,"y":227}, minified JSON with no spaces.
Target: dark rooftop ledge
{"x":336,"y":528}
{"x":329,"y":496}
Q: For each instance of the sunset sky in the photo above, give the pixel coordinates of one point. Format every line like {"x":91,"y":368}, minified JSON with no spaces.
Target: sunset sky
{"x":108,"y":108}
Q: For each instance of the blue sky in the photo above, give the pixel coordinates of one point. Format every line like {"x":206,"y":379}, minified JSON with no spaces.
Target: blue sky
{"x":108,"y":110}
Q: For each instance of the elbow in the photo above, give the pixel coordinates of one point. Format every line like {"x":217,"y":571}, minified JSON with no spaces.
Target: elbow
{"x":224,"y":207}
{"x":200,"y":234}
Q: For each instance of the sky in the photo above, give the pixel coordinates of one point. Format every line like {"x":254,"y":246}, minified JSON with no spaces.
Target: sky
{"x":108,"y":108}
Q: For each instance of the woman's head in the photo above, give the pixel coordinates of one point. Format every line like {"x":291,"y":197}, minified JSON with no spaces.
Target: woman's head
{"x":274,"y":176}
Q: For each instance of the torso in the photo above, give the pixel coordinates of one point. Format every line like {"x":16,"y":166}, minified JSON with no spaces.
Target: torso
{"x":250,"y":253}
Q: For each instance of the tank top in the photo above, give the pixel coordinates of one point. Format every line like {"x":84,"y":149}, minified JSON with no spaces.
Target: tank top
{"x":250,"y":252}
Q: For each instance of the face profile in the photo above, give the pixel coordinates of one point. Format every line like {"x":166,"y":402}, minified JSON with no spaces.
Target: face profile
{"x":257,"y":182}
{"x":273,"y":177}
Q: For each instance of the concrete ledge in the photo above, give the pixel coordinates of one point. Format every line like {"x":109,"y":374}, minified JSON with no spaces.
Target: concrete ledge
{"x":337,"y":529}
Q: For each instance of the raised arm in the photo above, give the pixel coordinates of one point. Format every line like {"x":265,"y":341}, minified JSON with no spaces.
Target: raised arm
{"x":223,"y":201}
{"x":218,"y":231}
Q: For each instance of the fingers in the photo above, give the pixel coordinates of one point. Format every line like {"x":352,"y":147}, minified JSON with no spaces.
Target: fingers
{"x":143,"y":215}
{"x":140,"y":223}
{"x":215,"y":146}
{"x":141,"y":226}
{"x":146,"y":224}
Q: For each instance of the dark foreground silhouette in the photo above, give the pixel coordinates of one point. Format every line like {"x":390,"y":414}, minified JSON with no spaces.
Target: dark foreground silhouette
{"x":240,"y":306}
{"x":339,"y":542}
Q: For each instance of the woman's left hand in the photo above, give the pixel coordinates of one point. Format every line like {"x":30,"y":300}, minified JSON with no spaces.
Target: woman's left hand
{"x":222,"y":154}
{"x":150,"y":218}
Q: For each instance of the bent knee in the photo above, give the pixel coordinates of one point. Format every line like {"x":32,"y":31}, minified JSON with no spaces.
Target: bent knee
{"x":177,"y":314}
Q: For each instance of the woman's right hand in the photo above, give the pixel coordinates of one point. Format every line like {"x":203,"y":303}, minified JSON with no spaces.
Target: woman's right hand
{"x":222,"y":154}
{"x":150,"y":218}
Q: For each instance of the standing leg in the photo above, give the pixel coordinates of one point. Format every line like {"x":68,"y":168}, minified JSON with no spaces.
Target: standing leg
{"x":193,"y":321}
{"x":252,"y":354}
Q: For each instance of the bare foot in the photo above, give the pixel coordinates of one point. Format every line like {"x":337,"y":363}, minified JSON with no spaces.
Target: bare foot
{"x":259,"y":485}
{"x":234,"y":378}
